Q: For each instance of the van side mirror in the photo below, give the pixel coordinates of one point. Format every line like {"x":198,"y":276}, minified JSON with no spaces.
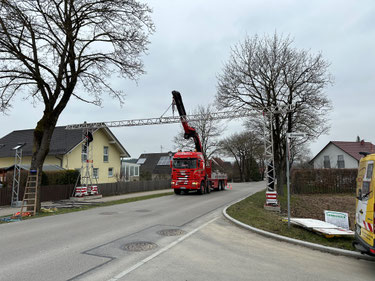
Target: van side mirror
{"x":359,"y":197}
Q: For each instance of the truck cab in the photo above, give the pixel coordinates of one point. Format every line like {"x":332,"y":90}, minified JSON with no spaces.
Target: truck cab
{"x":364,"y":219}
{"x":188,"y":172}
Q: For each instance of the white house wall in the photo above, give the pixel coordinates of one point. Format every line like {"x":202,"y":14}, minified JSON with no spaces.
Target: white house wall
{"x":333,"y":151}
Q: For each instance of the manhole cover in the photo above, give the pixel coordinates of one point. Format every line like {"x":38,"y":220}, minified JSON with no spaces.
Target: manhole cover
{"x":171,"y":232}
{"x":142,"y":211}
{"x":139,"y":246}
{"x":107,"y":213}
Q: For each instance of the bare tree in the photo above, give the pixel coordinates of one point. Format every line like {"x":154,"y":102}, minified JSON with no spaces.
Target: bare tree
{"x":208,"y":130}
{"x":268,"y":73}
{"x":51,"y":50}
{"x":247,"y":150}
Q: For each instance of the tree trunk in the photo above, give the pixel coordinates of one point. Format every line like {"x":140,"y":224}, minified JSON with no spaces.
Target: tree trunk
{"x":281,"y":177}
{"x":42,"y":138}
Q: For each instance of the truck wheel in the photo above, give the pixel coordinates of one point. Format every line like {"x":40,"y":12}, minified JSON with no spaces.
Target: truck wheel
{"x":201,"y":189}
{"x":177,"y":191}
{"x":208,"y":187}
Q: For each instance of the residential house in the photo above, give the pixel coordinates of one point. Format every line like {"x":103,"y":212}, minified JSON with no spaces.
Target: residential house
{"x":341,"y":154}
{"x":66,"y":151}
{"x":155,"y":165}
{"x":130,"y":170}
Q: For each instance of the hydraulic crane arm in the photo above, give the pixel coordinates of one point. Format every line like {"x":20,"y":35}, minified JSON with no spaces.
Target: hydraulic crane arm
{"x":190,"y":132}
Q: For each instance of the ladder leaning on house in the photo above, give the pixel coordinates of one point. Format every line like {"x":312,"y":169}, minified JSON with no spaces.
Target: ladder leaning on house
{"x":31,"y":192}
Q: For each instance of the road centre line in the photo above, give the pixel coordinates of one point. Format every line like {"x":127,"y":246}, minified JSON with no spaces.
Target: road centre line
{"x":154,"y":255}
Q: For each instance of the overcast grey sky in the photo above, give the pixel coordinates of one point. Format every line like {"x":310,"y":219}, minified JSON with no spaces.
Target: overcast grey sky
{"x":192,"y":42}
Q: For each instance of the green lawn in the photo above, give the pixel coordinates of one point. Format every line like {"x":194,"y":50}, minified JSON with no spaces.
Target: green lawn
{"x":251,"y":211}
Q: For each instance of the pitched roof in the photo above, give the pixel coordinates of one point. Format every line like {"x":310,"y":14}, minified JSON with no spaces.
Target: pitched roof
{"x":151,"y":163}
{"x":62,"y":142}
{"x":353,"y":148}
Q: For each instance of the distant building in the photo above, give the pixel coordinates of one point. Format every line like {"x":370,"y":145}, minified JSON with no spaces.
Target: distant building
{"x":66,"y":151}
{"x":341,"y":154}
{"x":155,"y":165}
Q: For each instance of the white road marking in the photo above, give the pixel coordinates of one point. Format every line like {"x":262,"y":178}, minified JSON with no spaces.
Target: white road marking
{"x":154,"y":255}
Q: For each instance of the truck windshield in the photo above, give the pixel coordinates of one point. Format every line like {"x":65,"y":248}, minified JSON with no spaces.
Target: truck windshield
{"x":185,"y":163}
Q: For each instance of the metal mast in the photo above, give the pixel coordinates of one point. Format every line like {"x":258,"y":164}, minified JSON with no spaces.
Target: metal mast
{"x":268,"y":114}
{"x":87,"y":160}
{"x":268,"y":150}
{"x":16,"y":174}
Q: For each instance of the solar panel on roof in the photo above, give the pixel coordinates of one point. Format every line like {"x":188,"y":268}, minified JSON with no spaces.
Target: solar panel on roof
{"x":164,"y":161}
{"x":141,"y":160}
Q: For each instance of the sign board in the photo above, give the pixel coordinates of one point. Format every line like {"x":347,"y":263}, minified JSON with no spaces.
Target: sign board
{"x":295,"y":135}
{"x":337,"y":218}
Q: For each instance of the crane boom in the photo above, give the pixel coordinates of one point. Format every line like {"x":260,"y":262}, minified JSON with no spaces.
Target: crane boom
{"x":190,"y":132}
{"x":159,"y":120}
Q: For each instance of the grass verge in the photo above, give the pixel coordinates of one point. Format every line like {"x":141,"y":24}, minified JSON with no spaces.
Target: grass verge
{"x":251,"y":211}
{"x":95,"y":205}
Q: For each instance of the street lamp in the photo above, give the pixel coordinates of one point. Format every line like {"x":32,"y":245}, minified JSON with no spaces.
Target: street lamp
{"x":288,"y":137}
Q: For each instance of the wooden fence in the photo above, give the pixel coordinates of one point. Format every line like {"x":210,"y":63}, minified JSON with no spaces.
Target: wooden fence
{"x":61,"y":192}
{"x":304,"y":181}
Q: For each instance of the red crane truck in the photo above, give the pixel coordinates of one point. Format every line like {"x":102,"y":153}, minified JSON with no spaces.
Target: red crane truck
{"x":189,"y":169}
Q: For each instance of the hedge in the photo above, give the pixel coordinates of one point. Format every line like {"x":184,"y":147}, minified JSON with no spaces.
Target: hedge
{"x":48,"y":178}
{"x":323,"y":181}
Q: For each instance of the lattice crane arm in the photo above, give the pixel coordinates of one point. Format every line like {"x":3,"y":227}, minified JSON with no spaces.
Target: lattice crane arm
{"x":159,"y":120}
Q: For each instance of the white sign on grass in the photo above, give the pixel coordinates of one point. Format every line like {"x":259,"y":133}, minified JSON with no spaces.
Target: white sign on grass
{"x":337,"y":218}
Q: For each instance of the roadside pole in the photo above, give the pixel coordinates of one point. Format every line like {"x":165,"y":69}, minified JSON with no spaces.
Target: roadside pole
{"x":287,"y":153}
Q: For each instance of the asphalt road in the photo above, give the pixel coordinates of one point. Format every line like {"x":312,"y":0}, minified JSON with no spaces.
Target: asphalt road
{"x":176,"y":238}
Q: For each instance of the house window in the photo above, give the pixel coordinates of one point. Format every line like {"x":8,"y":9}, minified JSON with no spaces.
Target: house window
{"x":105,"y":154}
{"x":110,"y":172}
{"x":136,"y":171}
{"x":95,"y":173}
{"x":84,"y":152}
{"x":340,"y":162}
{"x":131,"y":171}
{"x":327,"y":162}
